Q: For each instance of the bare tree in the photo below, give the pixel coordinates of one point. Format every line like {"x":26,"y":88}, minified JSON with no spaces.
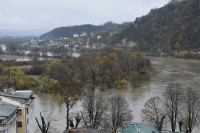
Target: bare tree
{"x":191,"y":108}
{"x":118,"y":113}
{"x":11,"y":49}
{"x":94,"y":109}
{"x":172,"y":103}
{"x":153,"y":112}
{"x":43,"y":127}
{"x":77,"y":118}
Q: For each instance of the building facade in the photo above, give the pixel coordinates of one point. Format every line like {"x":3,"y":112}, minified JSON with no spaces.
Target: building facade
{"x":8,"y":118}
{"x":23,"y":100}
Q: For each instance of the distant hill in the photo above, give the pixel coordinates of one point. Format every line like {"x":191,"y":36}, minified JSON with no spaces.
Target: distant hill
{"x":176,"y":26}
{"x":70,"y":30}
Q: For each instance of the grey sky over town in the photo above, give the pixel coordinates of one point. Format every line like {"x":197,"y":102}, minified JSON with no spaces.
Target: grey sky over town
{"x":49,"y":14}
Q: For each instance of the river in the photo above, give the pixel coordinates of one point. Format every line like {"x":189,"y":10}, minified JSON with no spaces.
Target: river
{"x":165,"y":70}
{"x":25,"y":57}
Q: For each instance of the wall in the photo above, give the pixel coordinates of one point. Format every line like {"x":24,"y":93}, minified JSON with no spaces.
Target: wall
{"x":22,"y":119}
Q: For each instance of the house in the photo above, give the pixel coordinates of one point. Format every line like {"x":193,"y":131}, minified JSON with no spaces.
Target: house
{"x":23,"y":100}
{"x":142,"y":128}
{"x":83,"y":34}
{"x":138,"y":128}
{"x":75,"y":35}
{"x":86,"y":130}
{"x":8,"y":118}
{"x":66,"y":46}
{"x":97,"y":45}
{"x":77,"y":47}
{"x":99,"y":37}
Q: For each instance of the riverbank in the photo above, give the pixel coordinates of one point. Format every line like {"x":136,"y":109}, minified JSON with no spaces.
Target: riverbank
{"x":174,"y":59}
{"x":168,"y":70}
{"x":178,"y":55}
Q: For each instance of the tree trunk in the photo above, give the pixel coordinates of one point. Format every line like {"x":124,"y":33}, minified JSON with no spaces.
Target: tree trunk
{"x":161,"y":123}
{"x":67,"y":117}
{"x":180,"y":125}
{"x":114,"y":131}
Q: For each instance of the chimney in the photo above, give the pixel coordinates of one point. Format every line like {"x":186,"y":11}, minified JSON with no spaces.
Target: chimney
{"x":12,"y":91}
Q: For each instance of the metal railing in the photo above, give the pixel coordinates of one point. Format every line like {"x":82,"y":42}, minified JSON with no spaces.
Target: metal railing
{"x":2,"y":124}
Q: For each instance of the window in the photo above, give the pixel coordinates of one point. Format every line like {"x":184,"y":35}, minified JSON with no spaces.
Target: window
{"x":27,"y":110}
{"x":19,"y":124}
{"x":19,"y":111}
{"x":0,"y":121}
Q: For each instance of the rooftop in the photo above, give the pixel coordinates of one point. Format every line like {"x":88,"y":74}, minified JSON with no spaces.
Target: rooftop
{"x":88,"y":130}
{"x":18,"y":94}
{"x":24,"y":94}
{"x":6,"y":110}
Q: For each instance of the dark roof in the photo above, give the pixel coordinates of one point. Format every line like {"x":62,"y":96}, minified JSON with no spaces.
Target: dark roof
{"x":89,"y":130}
{"x":6,"y":110}
{"x":18,"y":94}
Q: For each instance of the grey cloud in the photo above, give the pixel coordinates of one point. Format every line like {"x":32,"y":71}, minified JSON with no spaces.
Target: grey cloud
{"x":48,"y":14}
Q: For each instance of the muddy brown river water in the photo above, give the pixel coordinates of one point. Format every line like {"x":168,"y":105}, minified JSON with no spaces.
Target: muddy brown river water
{"x":165,"y":70}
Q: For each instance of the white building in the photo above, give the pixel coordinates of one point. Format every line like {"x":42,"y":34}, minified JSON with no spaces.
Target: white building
{"x":83,"y":34}
{"x":99,"y":37}
{"x":75,"y":35}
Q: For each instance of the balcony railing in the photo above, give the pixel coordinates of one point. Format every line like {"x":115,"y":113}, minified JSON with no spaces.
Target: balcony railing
{"x":2,"y":124}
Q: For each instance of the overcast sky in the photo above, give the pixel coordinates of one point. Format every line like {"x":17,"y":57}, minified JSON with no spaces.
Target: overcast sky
{"x":49,"y":14}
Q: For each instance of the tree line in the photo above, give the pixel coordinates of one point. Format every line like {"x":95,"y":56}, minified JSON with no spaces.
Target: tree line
{"x":16,"y":78}
{"x":98,"y":113}
{"x":113,"y":68}
{"x":177,"y":107}
{"x":174,"y":27}
{"x":105,"y":69}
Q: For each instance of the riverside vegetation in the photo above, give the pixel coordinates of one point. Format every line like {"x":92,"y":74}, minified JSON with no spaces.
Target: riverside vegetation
{"x":72,"y":78}
{"x":104,"y":69}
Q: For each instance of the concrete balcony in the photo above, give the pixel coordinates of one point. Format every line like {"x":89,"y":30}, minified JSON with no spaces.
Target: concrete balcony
{"x":5,"y":126}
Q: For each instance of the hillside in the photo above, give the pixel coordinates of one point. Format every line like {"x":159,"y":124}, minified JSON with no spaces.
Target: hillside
{"x":176,"y":26}
{"x":69,"y":31}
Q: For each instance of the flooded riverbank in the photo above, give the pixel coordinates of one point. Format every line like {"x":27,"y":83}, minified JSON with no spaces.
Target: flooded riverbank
{"x":165,"y":70}
{"x":26,"y":56}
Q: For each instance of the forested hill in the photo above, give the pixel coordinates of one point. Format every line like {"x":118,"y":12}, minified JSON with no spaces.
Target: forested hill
{"x":69,"y":31}
{"x":176,"y":26}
